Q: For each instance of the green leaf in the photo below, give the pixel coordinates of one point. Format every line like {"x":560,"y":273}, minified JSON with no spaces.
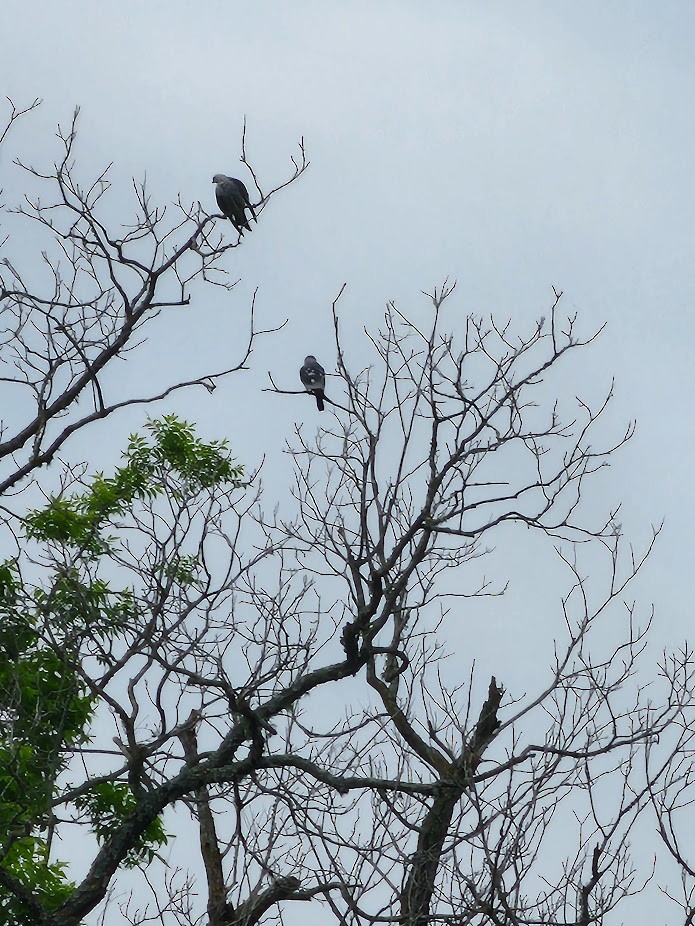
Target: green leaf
{"x":27,"y":861}
{"x":109,"y":804}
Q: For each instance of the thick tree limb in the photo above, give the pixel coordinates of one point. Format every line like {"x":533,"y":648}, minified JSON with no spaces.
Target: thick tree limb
{"x":416,"y":896}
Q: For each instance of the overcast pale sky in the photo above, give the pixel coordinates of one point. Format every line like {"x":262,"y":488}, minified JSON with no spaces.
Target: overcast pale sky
{"x":510,"y":145}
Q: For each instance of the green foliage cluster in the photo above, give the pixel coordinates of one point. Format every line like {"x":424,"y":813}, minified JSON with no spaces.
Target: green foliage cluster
{"x":27,"y":859}
{"x":45,"y":706}
{"x":44,"y":710}
{"x":108,"y":804}
{"x":174,"y":460}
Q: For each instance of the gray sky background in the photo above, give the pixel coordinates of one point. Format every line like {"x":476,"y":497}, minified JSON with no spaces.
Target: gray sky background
{"x":510,"y":145}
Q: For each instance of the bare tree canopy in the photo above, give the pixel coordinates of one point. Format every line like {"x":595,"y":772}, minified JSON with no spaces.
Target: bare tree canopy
{"x":181,"y":655}
{"x":104,"y":288}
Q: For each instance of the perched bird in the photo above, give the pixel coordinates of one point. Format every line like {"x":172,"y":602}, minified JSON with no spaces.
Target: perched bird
{"x":313,"y":377}
{"x":233,"y":199}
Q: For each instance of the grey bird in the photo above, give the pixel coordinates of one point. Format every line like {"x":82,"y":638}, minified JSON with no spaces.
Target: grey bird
{"x":313,"y":377}
{"x":233,"y":199}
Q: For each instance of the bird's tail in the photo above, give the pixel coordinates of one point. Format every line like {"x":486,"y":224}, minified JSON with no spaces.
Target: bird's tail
{"x":240,"y":223}
{"x":319,"y":399}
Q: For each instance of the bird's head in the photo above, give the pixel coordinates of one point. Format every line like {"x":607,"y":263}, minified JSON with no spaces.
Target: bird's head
{"x":309,"y":360}
{"x":219,"y":178}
